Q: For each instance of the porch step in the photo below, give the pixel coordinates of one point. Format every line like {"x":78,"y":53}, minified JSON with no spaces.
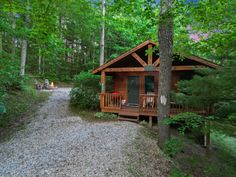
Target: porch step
{"x":128,"y":119}
{"x":130,"y":113}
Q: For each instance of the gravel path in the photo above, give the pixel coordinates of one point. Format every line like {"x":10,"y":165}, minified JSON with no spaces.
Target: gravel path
{"x":54,"y":144}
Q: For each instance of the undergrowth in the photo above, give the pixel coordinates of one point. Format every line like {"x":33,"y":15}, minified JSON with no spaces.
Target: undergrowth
{"x":20,"y":106}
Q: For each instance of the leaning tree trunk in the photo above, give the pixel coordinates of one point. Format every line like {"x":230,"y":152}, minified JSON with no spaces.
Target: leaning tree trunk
{"x":165,"y":36}
{"x":23,"y":57}
{"x":102,"y":42}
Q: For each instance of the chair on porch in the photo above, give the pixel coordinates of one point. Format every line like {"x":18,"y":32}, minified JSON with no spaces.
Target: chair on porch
{"x":149,"y":100}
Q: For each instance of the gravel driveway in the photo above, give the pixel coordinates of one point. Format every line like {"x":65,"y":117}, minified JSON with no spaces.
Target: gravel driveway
{"x":55,"y":144}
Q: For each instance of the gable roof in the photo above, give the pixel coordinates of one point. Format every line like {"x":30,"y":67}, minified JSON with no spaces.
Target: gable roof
{"x":156,"y":63}
{"x":122,"y":56}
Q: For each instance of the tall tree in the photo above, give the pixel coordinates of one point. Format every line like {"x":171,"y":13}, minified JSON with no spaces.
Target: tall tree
{"x":165,"y":36}
{"x":23,"y":56}
{"x":24,"y":42}
{"x":102,"y":42}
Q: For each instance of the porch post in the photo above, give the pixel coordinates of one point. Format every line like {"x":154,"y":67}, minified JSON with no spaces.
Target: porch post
{"x":103,"y":89}
{"x":103,"y":82}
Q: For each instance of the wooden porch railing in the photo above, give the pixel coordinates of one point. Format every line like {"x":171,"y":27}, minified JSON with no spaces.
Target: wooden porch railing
{"x":148,"y":103}
{"x":111,"y":100}
{"x":177,"y":108}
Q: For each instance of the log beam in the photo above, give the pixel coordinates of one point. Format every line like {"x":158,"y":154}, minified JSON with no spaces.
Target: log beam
{"x":140,"y":69}
{"x":149,"y":54}
{"x":139,"y":59}
{"x":157,"y":62}
{"x":133,"y":69}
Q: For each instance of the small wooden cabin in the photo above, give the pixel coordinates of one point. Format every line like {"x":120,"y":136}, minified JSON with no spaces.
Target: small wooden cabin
{"x":135,"y":80}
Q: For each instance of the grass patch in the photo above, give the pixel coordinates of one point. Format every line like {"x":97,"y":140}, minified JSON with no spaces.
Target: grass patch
{"x":21,"y":106}
{"x":224,"y":142}
{"x":221,"y":162}
{"x":176,"y":172}
{"x":225,"y":128}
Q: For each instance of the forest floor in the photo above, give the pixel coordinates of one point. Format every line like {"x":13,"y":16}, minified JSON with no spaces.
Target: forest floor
{"x":59,"y":143}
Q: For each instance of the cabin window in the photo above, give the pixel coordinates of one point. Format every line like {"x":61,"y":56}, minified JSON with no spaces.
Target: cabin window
{"x":149,"y":84}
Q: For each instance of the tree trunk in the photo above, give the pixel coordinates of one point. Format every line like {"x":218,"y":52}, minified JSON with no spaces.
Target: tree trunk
{"x":23,"y":56}
{"x":24,"y":42}
{"x":13,"y":47}
{"x":165,"y":36}
{"x":102,"y":42}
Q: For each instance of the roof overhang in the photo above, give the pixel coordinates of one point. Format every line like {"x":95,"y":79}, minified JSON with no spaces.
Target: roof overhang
{"x":105,"y":66}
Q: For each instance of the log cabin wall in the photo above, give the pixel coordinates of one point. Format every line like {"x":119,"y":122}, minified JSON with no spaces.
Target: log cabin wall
{"x":121,"y":81}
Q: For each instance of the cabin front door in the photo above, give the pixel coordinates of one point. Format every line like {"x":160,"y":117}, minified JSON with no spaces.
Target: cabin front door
{"x":133,"y":89}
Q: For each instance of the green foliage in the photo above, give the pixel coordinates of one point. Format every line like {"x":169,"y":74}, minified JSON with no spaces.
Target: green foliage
{"x":225,"y":110}
{"x":211,"y":88}
{"x":19,"y":104}
{"x":176,"y":172}
{"x":84,"y":98}
{"x":2,"y":108}
{"x":173,"y":146}
{"x":228,"y":143}
{"x":103,"y":115}
{"x":85,"y":94}
{"x":200,"y":91}
{"x":232,"y":118}
{"x":88,"y":80}
{"x":9,"y":74}
{"x":186,"y":120}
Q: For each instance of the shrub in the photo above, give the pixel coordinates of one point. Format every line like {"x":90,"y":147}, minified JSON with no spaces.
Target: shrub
{"x":225,"y":109}
{"x":232,"y":118}
{"x":85,"y":94}
{"x":88,"y":80}
{"x":173,"y":146}
{"x":186,"y":120}
{"x":104,"y":115}
{"x":9,"y":72}
{"x":84,"y":98}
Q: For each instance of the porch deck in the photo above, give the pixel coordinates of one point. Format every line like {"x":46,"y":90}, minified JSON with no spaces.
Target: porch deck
{"x":116,"y":103}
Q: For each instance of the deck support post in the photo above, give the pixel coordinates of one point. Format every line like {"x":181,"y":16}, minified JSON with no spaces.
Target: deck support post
{"x":150,"y":122}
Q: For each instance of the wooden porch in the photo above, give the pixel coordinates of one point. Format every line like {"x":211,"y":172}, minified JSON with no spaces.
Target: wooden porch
{"x":116,"y":103}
